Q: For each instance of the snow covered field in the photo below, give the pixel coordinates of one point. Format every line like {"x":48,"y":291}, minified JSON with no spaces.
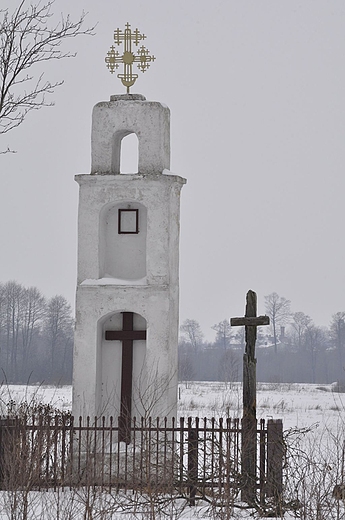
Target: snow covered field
{"x":297,"y":404}
{"x":300,"y":406}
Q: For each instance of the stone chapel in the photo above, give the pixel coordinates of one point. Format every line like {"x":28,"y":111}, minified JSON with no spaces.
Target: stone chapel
{"x":127,"y":297}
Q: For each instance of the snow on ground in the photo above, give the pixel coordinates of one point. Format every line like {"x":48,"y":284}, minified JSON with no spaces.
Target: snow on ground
{"x":298,"y":405}
{"x":58,"y":397}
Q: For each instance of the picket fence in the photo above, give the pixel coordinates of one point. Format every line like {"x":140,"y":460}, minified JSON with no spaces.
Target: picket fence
{"x":190,"y":457}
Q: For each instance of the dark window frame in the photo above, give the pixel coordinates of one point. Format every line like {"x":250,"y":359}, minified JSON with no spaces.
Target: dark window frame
{"x":136,"y":231}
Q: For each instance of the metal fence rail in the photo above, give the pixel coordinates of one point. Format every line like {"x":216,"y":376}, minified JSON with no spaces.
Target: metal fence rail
{"x":193,"y":456}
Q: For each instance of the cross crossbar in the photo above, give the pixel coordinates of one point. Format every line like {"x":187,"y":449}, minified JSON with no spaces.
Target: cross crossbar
{"x":120,"y":335}
{"x":250,"y":321}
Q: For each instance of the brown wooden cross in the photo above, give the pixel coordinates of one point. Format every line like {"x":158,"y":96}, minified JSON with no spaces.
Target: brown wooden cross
{"x":251,"y":322}
{"x":127,"y":335}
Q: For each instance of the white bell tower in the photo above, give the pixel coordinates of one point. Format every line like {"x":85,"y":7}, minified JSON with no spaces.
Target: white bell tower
{"x":126,"y":335}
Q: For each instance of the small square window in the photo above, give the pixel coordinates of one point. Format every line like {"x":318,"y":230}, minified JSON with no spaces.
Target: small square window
{"x":128,"y":221}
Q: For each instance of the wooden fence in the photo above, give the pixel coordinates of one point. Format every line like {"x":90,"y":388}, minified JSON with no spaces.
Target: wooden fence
{"x":192,"y":457}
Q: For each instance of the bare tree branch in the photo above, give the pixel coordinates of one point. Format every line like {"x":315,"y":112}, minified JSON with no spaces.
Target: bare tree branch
{"x":27,"y":39}
{"x":8,"y":150}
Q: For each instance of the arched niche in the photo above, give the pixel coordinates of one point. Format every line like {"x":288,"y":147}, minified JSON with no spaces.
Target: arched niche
{"x":111,"y":359}
{"x":122,"y":248}
{"x":123,"y":139}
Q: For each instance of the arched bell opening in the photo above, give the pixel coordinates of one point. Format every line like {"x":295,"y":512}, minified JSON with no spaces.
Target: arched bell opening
{"x":125,"y":152}
{"x":129,"y":155}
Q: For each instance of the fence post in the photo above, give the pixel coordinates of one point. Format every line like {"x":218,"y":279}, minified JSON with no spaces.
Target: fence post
{"x":249,"y":459}
{"x":275,"y":454}
{"x":192,"y":461}
{"x":262,"y":466}
{"x":7,"y":435}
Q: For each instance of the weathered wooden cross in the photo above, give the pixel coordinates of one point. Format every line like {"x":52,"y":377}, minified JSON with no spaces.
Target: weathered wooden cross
{"x":127,"y":335}
{"x":251,"y":321}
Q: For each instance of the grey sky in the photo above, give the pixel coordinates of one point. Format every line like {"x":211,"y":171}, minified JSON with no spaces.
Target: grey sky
{"x":256,"y":93}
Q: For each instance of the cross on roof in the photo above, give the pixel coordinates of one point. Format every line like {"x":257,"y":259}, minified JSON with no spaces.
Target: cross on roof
{"x":128,"y":58}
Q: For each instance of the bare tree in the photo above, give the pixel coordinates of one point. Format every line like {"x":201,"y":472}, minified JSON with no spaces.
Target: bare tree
{"x":21,"y":310}
{"x":337,"y":331}
{"x":240,"y":337}
{"x":35,"y":334}
{"x":224,"y":333}
{"x":58,"y":328}
{"x":299,"y":325}
{"x":185,"y":364}
{"x":26,"y":39}
{"x":315,"y":339}
{"x":192,"y":333}
{"x":33,"y":306}
{"x":13,"y":292}
{"x":229,"y":366}
{"x":278,"y":309}
{"x":2,"y":310}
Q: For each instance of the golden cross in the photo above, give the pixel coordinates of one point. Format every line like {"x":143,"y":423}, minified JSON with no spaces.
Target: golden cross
{"x":114,"y":58}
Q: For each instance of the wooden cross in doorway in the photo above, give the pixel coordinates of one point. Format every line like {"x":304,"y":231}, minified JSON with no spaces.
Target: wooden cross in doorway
{"x":251,"y":322}
{"x":127,"y":335}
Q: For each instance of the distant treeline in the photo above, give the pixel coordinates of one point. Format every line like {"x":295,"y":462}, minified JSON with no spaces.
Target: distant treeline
{"x":36,"y":343}
{"x":211,"y":363}
{"x":36,"y":336}
{"x":292,"y":349}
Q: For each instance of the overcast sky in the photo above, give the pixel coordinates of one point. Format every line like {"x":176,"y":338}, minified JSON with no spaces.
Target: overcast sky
{"x":256,"y":93}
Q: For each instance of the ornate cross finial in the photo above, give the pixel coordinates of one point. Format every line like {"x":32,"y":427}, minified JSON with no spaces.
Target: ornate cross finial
{"x":114,"y":58}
